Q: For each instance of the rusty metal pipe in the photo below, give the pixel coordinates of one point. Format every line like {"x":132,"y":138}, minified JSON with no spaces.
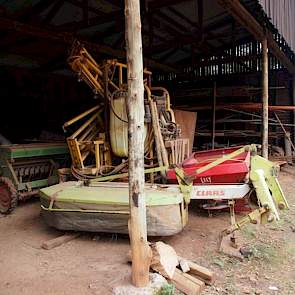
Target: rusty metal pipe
{"x":241,"y":106}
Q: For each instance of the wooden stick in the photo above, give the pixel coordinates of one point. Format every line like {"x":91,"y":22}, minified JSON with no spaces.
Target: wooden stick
{"x":141,"y":253}
{"x":283,"y":128}
{"x":156,"y":135}
{"x":162,"y":145}
{"x":56,"y":242}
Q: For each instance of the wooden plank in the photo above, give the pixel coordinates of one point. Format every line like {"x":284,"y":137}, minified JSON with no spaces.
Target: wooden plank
{"x":187,"y":123}
{"x":141,"y":252}
{"x":56,"y":242}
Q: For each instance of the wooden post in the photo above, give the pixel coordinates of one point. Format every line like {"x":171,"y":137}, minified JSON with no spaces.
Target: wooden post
{"x":293,"y":103}
{"x":264,"y":99}
{"x":214,"y":116}
{"x":141,"y":253}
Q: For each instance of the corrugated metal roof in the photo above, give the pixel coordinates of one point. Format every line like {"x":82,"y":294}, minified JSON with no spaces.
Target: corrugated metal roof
{"x":282,"y":15}
{"x":279,"y":17}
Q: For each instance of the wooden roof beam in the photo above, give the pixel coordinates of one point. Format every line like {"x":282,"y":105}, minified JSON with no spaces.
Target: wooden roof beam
{"x":68,"y":38}
{"x":94,"y":21}
{"x":241,"y":14}
{"x":82,"y":6}
{"x":53,"y":11}
{"x":30,"y":11}
{"x":156,"y":4}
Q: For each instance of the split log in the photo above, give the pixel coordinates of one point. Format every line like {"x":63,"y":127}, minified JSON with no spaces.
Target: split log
{"x":56,"y":242}
{"x":186,"y":283}
{"x":200,"y":271}
{"x":195,"y":280}
{"x":164,"y":259}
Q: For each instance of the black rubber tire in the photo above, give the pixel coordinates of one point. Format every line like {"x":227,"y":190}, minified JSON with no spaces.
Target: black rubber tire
{"x":8,"y":195}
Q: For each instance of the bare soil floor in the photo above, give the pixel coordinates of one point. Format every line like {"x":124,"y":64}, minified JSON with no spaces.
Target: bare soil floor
{"x":95,"y":263}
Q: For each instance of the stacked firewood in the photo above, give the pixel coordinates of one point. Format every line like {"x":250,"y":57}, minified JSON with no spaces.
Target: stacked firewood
{"x":187,"y":276}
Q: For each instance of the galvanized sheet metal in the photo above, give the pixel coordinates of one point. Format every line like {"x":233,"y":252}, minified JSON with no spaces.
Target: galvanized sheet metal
{"x":282,"y":14}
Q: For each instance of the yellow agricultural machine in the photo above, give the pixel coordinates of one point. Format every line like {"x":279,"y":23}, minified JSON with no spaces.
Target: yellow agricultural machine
{"x":99,"y":145}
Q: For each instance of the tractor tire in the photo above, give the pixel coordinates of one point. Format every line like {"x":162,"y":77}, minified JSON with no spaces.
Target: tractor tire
{"x":8,"y":195}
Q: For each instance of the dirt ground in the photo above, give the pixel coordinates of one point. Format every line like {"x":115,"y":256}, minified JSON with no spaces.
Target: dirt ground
{"x":95,"y":263}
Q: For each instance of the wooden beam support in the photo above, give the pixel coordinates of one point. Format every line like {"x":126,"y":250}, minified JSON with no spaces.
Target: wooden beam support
{"x":177,"y":27}
{"x":168,"y":54}
{"x":150,"y":31}
{"x":264,"y":99}
{"x":82,"y":4}
{"x":141,"y":252}
{"x":53,"y":11}
{"x":30,"y":11}
{"x":214,"y":116}
{"x":68,"y":38}
{"x":244,"y":17}
{"x":156,"y":4}
{"x":85,"y":11}
{"x":293,"y":102}
{"x":200,"y":16}
{"x":93,"y":21}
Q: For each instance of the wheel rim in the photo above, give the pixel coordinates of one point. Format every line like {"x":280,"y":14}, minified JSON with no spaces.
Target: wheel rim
{"x":5,"y":198}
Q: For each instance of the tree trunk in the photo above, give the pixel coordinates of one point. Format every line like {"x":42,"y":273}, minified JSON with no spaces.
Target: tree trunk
{"x":141,"y":253}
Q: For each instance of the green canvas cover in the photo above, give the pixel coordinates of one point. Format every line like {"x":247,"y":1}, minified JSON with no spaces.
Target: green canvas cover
{"x":104,"y":207}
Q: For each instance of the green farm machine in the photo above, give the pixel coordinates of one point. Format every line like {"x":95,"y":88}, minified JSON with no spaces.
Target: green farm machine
{"x":26,"y":168}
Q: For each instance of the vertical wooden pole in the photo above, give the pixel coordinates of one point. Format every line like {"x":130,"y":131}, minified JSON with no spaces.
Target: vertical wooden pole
{"x":293,"y":103}
{"x":264,"y":99}
{"x":214,"y":115}
{"x":141,"y":253}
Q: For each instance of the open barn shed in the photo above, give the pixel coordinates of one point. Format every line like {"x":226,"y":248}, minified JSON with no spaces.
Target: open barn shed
{"x":139,"y":118}
{"x":192,"y":48}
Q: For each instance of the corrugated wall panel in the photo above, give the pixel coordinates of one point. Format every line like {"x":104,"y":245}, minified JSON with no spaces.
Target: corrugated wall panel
{"x":282,"y":14}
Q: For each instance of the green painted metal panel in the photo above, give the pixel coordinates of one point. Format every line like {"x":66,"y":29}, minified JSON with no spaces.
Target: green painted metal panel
{"x":32,"y":150}
{"x":27,"y":152}
{"x":42,"y":182}
{"x":72,"y":192}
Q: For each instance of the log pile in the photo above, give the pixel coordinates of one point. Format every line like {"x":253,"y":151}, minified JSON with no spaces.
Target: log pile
{"x":187,"y":276}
